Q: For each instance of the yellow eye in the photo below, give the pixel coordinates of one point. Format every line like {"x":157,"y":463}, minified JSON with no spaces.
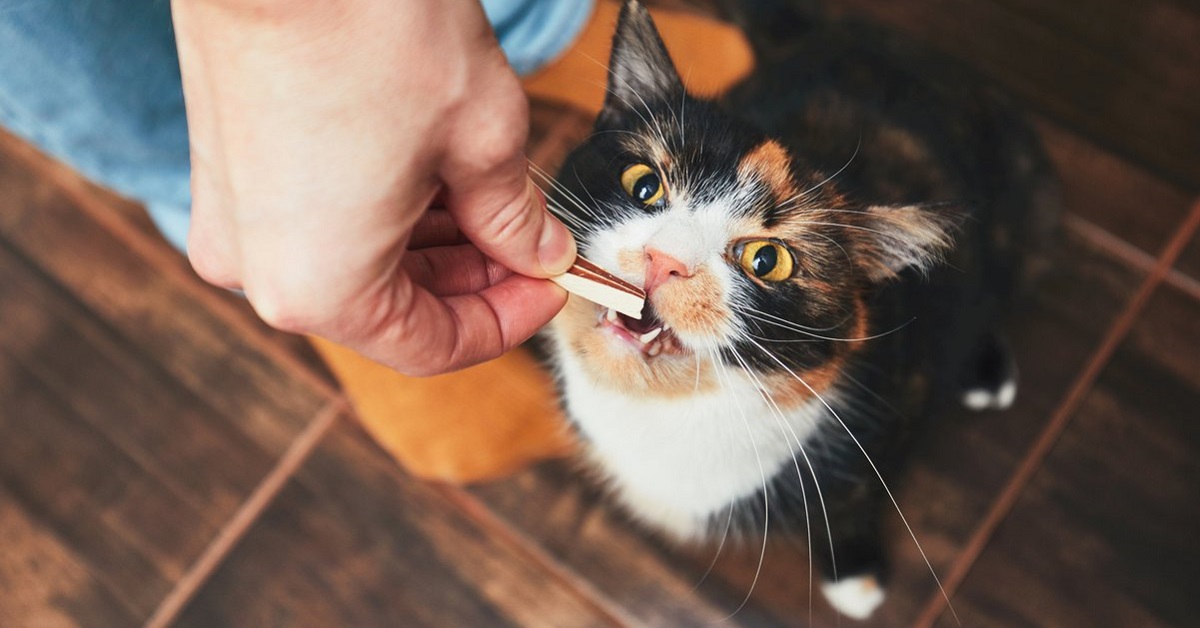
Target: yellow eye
{"x":642,"y":184}
{"x":767,"y":260}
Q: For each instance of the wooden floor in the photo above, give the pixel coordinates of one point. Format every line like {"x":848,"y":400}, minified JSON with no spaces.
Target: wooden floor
{"x":164,"y":457}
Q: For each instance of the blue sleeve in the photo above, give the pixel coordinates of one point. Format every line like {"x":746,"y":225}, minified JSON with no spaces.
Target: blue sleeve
{"x":535,"y":32}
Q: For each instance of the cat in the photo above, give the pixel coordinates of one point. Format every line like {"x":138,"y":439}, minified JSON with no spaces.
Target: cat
{"x":826,"y":250}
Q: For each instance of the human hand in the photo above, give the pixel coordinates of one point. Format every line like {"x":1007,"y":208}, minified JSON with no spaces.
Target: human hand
{"x":320,"y":134}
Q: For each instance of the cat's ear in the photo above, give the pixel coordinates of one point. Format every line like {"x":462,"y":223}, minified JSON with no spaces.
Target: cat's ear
{"x":888,"y":240}
{"x":640,"y":70}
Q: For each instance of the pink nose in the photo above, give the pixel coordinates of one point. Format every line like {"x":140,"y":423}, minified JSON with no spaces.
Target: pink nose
{"x":660,"y":268}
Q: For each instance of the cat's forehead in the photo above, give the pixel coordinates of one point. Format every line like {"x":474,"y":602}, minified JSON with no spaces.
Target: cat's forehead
{"x":770,"y":165}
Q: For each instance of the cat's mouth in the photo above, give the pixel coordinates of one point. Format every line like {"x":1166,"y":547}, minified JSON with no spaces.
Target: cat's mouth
{"x":649,"y":334}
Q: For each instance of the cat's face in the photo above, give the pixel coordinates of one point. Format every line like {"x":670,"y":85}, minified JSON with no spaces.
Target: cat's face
{"x":750,"y":258}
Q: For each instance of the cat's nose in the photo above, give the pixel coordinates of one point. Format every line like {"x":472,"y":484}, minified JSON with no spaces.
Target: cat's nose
{"x":661,"y":268}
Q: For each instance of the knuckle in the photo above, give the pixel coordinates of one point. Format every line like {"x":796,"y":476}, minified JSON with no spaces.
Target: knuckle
{"x":285,"y":308}
{"x":280,"y":312}
{"x":211,"y":266}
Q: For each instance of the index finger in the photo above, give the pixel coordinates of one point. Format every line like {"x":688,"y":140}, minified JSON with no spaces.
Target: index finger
{"x":433,"y":335}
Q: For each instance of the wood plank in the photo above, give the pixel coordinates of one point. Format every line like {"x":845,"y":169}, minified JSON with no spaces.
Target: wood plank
{"x":170,"y":432}
{"x":1127,"y":201}
{"x":132,"y":420}
{"x":1122,"y":73}
{"x":131,"y":530}
{"x":1169,"y":330}
{"x":1105,"y":535}
{"x":44,"y":583}
{"x":353,"y":540}
{"x":959,"y":467}
{"x":150,"y":309}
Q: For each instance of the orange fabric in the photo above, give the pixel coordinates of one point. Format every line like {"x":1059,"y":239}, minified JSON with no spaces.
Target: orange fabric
{"x":493,"y":419}
{"x":710,"y":56}
{"x":473,"y":425}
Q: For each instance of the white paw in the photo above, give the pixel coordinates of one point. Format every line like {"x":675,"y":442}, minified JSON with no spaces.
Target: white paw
{"x":855,"y":598}
{"x":985,"y":399}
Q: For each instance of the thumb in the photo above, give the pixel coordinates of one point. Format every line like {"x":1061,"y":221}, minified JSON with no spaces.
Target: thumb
{"x":505,"y":215}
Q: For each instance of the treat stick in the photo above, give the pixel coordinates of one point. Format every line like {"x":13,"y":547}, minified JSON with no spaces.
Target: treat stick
{"x":600,"y":286}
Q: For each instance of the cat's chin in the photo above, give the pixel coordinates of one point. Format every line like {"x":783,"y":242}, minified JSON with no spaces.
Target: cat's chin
{"x":629,"y":356}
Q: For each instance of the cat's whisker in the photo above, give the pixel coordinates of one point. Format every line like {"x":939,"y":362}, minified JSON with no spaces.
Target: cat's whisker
{"x":567,"y":216}
{"x":628,"y":104}
{"x":886,"y":235}
{"x":746,"y":309}
{"x":849,"y":260}
{"x":732,"y":504}
{"x":720,"y":546}
{"x":554,"y":184}
{"x":879,"y":335}
{"x":874,"y":394}
{"x":720,"y":368}
{"x":878,"y":475}
{"x":833,"y":176}
{"x":785,"y":428}
{"x":765,"y":318}
{"x":564,"y":214}
{"x":683,"y":110}
{"x":653,"y":126}
{"x":561,"y":210}
{"x":613,"y":76}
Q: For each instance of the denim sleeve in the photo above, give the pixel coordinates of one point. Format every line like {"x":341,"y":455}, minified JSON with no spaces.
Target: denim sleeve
{"x":95,"y":84}
{"x":534,"y":32}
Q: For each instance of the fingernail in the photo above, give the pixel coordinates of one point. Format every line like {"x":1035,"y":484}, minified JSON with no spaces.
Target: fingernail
{"x":556,"y":247}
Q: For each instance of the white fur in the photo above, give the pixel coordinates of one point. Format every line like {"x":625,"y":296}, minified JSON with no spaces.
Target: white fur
{"x":677,"y":462}
{"x":856,"y":597}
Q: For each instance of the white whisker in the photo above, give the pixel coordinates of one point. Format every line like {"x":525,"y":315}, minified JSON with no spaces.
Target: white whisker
{"x":878,"y":475}
{"x":720,"y":368}
{"x":805,"y":193}
{"x":785,"y":428}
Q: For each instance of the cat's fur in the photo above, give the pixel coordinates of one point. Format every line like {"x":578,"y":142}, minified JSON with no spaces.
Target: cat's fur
{"x":905,"y":203}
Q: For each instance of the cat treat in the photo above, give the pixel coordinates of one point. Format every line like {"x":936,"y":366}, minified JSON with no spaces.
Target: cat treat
{"x":600,"y":286}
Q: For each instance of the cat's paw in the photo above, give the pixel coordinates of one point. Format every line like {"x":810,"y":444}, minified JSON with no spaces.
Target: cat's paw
{"x":855,"y":597}
{"x":990,"y":380}
{"x":986,"y":398}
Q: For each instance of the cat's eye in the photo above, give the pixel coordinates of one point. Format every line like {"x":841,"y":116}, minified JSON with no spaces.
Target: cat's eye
{"x":767,"y":260}
{"x":642,"y":184}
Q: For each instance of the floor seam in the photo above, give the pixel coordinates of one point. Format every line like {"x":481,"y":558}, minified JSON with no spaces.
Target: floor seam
{"x":501,"y":530}
{"x":1128,"y":253}
{"x":1007,"y":498}
{"x":240,"y":522}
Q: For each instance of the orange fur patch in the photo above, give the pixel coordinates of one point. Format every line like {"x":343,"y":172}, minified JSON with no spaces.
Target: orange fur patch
{"x":770,"y":163}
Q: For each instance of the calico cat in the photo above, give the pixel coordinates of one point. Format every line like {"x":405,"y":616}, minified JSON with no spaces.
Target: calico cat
{"x":826,"y":252}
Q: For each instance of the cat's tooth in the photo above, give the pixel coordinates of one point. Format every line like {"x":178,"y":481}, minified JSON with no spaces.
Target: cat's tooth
{"x":611,"y":315}
{"x":654,"y":349}
{"x":650,"y":335}
{"x":666,"y":327}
